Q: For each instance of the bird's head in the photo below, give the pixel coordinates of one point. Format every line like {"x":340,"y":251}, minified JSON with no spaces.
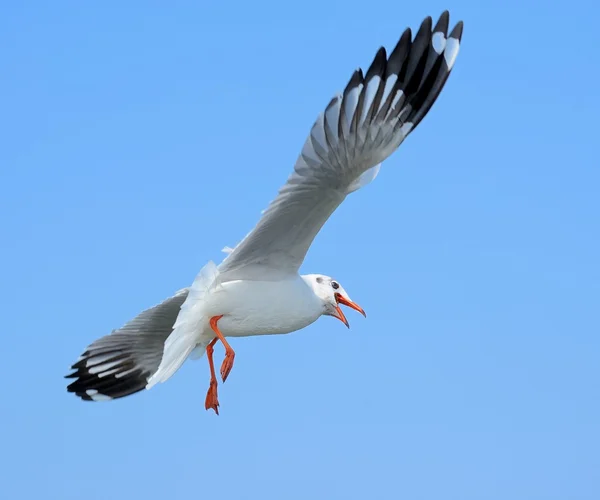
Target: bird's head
{"x":333,"y":295}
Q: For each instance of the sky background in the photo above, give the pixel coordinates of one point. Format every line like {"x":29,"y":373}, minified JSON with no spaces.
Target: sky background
{"x":137,"y":140}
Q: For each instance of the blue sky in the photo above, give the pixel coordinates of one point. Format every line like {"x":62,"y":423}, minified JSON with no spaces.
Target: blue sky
{"x":138,"y":140}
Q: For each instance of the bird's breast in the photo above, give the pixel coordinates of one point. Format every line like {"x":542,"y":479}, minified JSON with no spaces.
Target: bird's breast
{"x":264,"y":307}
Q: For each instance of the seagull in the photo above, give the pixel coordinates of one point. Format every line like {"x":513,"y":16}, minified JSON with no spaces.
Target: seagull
{"x":257,"y":288}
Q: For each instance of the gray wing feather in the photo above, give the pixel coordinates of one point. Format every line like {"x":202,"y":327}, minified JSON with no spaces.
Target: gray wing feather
{"x":357,"y":131}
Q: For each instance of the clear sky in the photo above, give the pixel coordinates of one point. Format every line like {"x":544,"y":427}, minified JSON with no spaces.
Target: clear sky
{"x":137,"y":140}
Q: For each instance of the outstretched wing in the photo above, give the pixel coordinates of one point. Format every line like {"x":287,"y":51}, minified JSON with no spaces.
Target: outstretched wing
{"x":357,"y":131}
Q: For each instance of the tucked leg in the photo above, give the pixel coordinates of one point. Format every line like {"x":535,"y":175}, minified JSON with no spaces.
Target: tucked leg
{"x":212,"y":400}
{"x":227,"y":364}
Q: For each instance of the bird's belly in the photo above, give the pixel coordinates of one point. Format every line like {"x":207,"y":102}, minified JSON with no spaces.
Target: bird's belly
{"x":264,"y":324}
{"x":265,"y":308}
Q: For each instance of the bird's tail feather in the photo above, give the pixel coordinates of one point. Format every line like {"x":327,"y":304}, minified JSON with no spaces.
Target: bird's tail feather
{"x":188,"y":328}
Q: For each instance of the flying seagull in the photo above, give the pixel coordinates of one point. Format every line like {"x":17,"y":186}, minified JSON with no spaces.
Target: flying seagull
{"x":257,"y":289}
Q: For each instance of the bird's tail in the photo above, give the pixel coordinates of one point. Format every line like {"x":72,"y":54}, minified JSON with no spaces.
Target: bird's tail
{"x":188,"y":328}
{"x":121,"y":363}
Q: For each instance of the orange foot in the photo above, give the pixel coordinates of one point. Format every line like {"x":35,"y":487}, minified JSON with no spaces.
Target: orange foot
{"x":229,"y":352}
{"x":227,"y":364}
{"x":212,"y":401}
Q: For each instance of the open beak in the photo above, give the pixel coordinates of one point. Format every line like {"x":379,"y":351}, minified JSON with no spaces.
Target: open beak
{"x":342,"y":300}
{"x":342,"y":317}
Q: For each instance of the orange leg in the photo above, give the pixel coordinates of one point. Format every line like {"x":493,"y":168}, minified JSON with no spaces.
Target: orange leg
{"x":212,"y":400}
{"x":229,"y":352}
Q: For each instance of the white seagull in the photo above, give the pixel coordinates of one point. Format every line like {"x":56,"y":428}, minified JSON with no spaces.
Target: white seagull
{"x":257,"y":289}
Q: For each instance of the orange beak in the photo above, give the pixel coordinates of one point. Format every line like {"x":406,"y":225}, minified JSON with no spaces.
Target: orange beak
{"x":342,"y":317}
{"x":342,"y":300}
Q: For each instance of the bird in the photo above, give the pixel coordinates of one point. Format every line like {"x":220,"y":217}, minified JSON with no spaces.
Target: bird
{"x":257,"y":289}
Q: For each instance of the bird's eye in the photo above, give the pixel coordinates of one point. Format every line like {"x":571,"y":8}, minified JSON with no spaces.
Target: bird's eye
{"x":335,"y":285}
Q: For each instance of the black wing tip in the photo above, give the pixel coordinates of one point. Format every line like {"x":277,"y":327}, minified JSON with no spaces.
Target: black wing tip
{"x":426,"y":25}
{"x":380,"y":61}
{"x":381,"y":54}
{"x":398,"y":54}
{"x":442,"y":25}
{"x":419,"y":77}
{"x":425,"y":80}
{"x":104,"y":375}
{"x":356,"y":79}
{"x":378,"y":65}
{"x":457,"y":31}
{"x":90,"y":387}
